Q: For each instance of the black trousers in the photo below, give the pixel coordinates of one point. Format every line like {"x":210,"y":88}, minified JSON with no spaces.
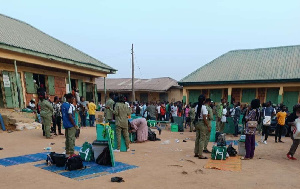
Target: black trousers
{"x":278,"y":131}
{"x":266,"y":130}
{"x":57,"y":122}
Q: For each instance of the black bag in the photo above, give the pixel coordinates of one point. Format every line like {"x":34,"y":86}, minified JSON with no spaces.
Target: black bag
{"x":50,"y":159}
{"x":221,"y":140}
{"x":217,"y":136}
{"x":74,"y":163}
{"x":104,"y":158}
{"x":231,"y":151}
{"x":151,"y":135}
{"x":77,"y":133}
{"x":59,"y":159}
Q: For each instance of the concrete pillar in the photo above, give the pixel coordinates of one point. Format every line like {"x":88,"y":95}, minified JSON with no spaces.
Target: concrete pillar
{"x":280,"y":95}
{"x":229,"y":94}
{"x":185,"y":96}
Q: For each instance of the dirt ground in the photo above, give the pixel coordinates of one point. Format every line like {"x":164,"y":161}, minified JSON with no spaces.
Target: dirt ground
{"x":269,"y":169}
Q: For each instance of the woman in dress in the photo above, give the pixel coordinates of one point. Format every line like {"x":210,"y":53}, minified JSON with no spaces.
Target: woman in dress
{"x":140,"y":127}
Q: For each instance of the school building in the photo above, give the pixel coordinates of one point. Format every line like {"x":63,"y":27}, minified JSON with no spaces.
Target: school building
{"x":269,"y":74}
{"x":146,"y":90}
{"x":30,"y":59}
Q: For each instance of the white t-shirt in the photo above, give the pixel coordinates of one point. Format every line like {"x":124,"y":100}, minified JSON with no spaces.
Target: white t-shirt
{"x":174,"y":111}
{"x":203,"y":111}
{"x":158,"y":109}
{"x":71,"y":109}
{"x":223,"y":119}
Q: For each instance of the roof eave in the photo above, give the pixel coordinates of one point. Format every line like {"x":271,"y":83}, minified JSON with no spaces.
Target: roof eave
{"x":238,"y":82}
{"x":56,"y":58}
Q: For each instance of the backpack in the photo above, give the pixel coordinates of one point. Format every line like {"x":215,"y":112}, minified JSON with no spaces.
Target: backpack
{"x":231,"y":151}
{"x":219,"y":153}
{"x":104,"y":158}
{"x":86,"y":152}
{"x":221,"y":141}
{"x":74,"y":163}
{"x":151,"y":135}
{"x":60,"y":159}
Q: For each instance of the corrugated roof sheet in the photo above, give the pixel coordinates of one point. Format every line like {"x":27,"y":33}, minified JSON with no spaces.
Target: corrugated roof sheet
{"x":124,"y":84}
{"x":277,"y":63}
{"x":22,"y":35}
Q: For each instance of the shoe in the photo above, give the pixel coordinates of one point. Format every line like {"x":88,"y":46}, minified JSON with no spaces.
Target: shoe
{"x":128,"y":150}
{"x":243,"y":158}
{"x":202,"y":157}
{"x":281,"y":141}
{"x":117,"y":151}
{"x":290,"y":157}
{"x":55,"y":134}
{"x":276,"y":141}
{"x":206,"y":151}
{"x":49,"y":138}
{"x":191,"y":131}
{"x":196,"y":155}
{"x":61,"y":134}
{"x":265,"y":142}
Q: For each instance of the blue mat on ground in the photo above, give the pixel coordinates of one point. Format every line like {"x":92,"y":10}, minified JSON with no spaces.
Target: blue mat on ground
{"x":235,"y":142}
{"x":92,"y":170}
{"x":23,"y":159}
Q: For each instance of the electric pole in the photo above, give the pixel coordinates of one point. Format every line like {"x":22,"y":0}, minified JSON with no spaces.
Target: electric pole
{"x":132,"y":79}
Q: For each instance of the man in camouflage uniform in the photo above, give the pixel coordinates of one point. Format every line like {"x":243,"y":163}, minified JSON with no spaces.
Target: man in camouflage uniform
{"x":192,"y":114}
{"x":219,"y":111}
{"x":121,"y":112}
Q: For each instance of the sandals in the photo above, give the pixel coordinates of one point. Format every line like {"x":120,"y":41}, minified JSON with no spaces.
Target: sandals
{"x":244,"y":158}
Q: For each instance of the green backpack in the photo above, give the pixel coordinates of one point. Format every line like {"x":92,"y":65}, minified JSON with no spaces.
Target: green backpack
{"x":219,"y":153}
{"x":86,"y":152}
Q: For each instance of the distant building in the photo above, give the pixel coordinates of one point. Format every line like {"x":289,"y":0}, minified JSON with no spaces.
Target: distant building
{"x":270,"y":74}
{"x":146,"y":90}
{"x":28,"y":54}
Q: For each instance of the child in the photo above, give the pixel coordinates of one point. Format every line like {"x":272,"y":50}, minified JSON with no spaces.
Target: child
{"x":280,"y":123}
{"x":296,"y":140}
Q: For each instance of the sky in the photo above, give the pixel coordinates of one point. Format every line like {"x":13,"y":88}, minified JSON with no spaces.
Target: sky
{"x":171,"y":38}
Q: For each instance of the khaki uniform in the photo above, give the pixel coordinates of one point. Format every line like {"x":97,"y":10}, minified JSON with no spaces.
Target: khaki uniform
{"x":108,"y":114}
{"x":122,"y":112}
{"x":201,"y":132}
{"x":70,"y":140}
{"x":219,"y":111}
{"x":46,"y":114}
{"x":192,"y":114}
{"x":210,"y":118}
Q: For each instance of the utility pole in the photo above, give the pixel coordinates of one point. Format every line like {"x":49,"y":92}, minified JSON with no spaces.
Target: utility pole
{"x":132,"y":79}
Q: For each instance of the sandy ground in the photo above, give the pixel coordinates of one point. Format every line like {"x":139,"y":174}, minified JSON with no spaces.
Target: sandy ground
{"x":269,"y":169}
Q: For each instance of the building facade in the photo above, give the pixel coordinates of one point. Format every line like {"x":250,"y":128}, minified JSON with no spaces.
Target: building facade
{"x":146,"y":90}
{"x":31,"y":59}
{"x":269,"y":74}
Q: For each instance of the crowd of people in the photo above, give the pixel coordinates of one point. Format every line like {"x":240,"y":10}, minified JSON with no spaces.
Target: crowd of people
{"x":256,"y":119}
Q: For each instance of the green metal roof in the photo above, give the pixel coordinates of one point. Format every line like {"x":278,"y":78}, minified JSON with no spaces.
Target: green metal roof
{"x":21,"y":37}
{"x":265,"y":65}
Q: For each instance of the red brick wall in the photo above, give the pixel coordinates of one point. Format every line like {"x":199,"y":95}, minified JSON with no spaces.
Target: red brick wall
{"x":236,"y":94}
{"x":261,"y":94}
{"x":60,"y":86}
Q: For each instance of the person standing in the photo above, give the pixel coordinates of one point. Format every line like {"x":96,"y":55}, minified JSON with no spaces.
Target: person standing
{"x":57,"y":116}
{"x":192,"y":114}
{"x":151,"y":111}
{"x":82,"y":111}
{"x":296,"y":139}
{"x":121,"y":112}
{"x":236,"y":118}
{"x":202,"y":127}
{"x":168,"y":110}
{"x":268,"y":112}
{"x":219,"y":111}
{"x":46,"y":113}
{"x":210,"y":117}
{"x":281,"y":116}
{"x":109,"y":104}
{"x":68,"y":116}
{"x":250,"y":130}
{"x":223,"y":119}
{"x":92,"y":112}
{"x":163,"y":112}
{"x":158,"y":112}
{"x":186,"y":116}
